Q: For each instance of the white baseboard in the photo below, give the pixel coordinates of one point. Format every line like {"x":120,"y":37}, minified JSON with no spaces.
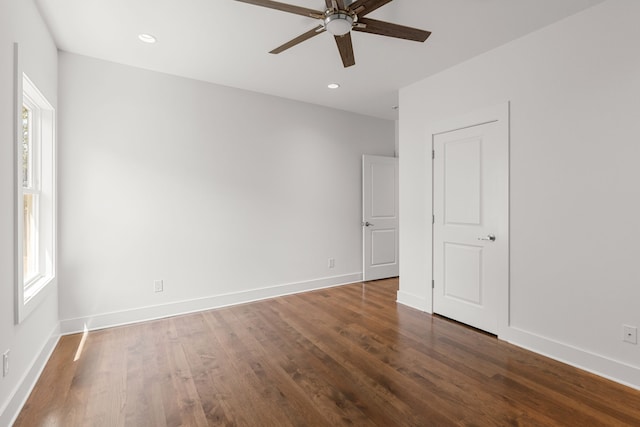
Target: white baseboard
{"x":17,"y":399}
{"x":602,"y":366}
{"x":614,"y":370}
{"x":142,"y":314}
{"x":414,"y":301}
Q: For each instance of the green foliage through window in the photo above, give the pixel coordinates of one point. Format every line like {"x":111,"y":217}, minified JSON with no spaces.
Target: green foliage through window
{"x":26,"y":145}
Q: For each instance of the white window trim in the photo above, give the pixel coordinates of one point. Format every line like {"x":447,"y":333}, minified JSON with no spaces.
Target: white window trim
{"x":28,"y":296}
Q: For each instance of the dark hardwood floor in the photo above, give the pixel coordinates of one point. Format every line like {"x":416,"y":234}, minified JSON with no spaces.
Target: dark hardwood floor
{"x":342,"y":356}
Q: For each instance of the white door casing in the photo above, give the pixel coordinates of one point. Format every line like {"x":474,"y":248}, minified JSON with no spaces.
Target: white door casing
{"x":471,"y":217}
{"x":379,"y":217}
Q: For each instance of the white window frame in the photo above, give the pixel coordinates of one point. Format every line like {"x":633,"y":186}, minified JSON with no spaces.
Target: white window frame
{"x":30,"y":293}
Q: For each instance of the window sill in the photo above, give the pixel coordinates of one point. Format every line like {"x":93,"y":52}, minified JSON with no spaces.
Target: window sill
{"x":37,"y":292}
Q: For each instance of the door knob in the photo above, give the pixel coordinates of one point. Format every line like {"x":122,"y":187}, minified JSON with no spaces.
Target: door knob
{"x":489,"y":237}
{"x":367,"y":224}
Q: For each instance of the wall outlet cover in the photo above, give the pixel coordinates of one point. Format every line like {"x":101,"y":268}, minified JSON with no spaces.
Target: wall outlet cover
{"x":158,"y":286}
{"x":5,"y":363}
{"x":630,"y":334}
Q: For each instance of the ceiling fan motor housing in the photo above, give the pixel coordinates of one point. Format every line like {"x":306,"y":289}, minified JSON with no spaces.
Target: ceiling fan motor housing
{"x":338,"y":23}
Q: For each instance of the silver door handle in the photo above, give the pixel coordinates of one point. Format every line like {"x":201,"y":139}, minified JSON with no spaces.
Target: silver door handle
{"x":367,"y":224}
{"x":489,"y":237}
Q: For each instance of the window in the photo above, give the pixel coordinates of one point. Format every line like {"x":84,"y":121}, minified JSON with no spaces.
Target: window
{"x":35,"y":204}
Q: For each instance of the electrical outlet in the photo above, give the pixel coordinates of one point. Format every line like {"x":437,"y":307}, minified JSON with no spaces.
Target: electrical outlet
{"x":158,"y":286}
{"x":331,"y":263}
{"x":630,"y":334}
{"x":5,"y":363}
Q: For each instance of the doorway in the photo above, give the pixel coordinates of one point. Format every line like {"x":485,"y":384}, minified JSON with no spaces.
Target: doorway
{"x":471,"y":219}
{"x":379,"y":217}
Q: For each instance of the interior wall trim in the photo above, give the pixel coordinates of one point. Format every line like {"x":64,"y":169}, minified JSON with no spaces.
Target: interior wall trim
{"x":13,"y":405}
{"x":414,"y":301}
{"x":597,"y":364}
{"x":141,"y":314}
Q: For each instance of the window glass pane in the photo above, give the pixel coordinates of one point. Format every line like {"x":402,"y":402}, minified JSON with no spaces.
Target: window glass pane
{"x":35,"y":169}
{"x":26,"y":147}
{"x":29,"y":238}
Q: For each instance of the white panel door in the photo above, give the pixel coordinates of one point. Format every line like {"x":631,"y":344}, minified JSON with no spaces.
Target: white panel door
{"x":380,"y":217}
{"x":470,"y":226}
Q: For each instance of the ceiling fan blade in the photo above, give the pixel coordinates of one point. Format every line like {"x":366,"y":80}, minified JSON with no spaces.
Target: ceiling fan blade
{"x":363,"y":7}
{"x":306,"y":36}
{"x":311,"y":13}
{"x":391,"y":30}
{"x":346,"y":50}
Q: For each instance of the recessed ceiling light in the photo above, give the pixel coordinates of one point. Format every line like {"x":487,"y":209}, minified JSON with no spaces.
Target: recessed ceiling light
{"x":147,"y":38}
{"x":333,"y":85}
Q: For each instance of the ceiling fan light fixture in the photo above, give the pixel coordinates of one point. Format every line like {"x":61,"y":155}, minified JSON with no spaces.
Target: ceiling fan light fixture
{"x":338,"y":23}
{"x":339,"y":18}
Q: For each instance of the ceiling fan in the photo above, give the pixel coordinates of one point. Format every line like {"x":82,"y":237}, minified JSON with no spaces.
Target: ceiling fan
{"x":339,"y":19}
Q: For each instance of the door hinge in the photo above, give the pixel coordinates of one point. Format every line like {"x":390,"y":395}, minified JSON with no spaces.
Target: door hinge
{"x":433,"y":284}
{"x":433,"y":154}
{"x":433,"y":219}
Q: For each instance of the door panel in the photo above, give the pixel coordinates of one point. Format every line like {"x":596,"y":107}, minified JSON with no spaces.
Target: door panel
{"x":383,"y":188}
{"x":462,"y":181}
{"x":463,"y":273}
{"x":380,"y":217}
{"x":383,"y":247}
{"x":470,"y":179}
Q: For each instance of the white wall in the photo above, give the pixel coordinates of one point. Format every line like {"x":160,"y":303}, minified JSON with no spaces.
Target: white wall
{"x":574,"y":89}
{"x":226,"y":195}
{"x":31,"y":341}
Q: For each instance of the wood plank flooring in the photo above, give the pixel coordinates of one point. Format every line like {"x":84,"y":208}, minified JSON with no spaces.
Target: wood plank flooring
{"x":343,"y":356}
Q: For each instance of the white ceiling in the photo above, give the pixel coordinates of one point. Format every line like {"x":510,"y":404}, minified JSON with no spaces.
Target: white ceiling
{"x":227,"y":42}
